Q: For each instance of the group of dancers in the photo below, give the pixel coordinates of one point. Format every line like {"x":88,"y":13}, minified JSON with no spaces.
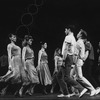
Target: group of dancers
{"x":74,"y":54}
{"x":67,"y":72}
{"x":21,"y":70}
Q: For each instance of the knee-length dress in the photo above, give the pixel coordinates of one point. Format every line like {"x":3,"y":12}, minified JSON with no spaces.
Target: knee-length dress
{"x":16,"y":64}
{"x":44,"y":72}
{"x":30,"y":68}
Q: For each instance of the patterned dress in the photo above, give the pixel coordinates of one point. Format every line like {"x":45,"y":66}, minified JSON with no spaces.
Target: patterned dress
{"x":44,"y":73}
{"x":30,"y":68}
{"x":16,"y":64}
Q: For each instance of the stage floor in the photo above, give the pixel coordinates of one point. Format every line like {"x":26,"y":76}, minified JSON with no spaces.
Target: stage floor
{"x":48,"y":97}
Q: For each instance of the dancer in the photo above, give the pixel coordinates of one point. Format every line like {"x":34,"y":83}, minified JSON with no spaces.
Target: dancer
{"x":63,"y":76}
{"x":4,"y":60}
{"x":81,"y":57}
{"x":58,"y":63}
{"x":89,"y":62}
{"x":14,"y":61}
{"x":43,"y":69}
{"x":98,"y":64}
{"x":98,"y":51}
{"x":28,"y":63}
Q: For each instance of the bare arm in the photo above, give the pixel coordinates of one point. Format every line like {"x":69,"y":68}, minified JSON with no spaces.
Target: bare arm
{"x":55,"y":63}
{"x":9,"y":55}
{"x":23,"y":56}
{"x":98,"y":50}
{"x":39,"y":57}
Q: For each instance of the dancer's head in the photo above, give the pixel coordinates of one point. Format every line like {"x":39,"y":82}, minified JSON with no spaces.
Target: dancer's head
{"x":28,"y":40}
{"x":69,"y":29}
{"x":99,"y":44}
{"x":12,"y":37}
{"x":82,"y":34}
{"x":44,"y":45}
{"x":57,"y":52}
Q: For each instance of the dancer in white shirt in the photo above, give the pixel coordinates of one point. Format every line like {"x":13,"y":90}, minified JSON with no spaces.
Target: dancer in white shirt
{"x":63,"y":76}
{"x":81,"y":57}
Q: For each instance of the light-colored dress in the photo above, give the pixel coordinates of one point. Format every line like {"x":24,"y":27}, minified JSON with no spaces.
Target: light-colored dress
{"x":16,"y":64}
{"x":44,"y":73}
{"x":29,"y":63}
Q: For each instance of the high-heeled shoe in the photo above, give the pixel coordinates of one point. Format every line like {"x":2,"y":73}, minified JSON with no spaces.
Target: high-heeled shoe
{"x":4,"y":90}
{"x":28,"y":93}
{"x":44,"y":92}
{"x":51,"y":91}
{"x":21,"y":92}
{"x":1,"y":79}
{"x":16,"y":94}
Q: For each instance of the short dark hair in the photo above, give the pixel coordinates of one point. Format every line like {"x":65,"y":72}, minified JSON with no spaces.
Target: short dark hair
{"x":83,"y":33}
{"x":71,"y":27}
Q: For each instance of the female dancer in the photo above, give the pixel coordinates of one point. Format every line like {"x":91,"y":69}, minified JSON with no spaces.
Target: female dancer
{"x":28,"y":62}
{"x":14,"y":60}
{"x":43,"y":69}
{"x":58,"y":63}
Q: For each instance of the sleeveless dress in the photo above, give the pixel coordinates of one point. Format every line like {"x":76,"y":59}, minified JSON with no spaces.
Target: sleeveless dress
{"x":30,"y":68}
{"x":44,"y":73}
{"x":16,"y":64}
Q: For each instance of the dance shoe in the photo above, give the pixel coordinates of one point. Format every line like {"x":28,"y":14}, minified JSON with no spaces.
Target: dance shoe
{"x":1,"y":79}
{"x":72,"y":94}
{"x":97,"y":90}
{"x":28,"y":93}
{"x":62,"y":95}
{"x":82,"y":92}
{"x":93,"y":92}
{"x":44,"y":92}
{"x":51,"y":91}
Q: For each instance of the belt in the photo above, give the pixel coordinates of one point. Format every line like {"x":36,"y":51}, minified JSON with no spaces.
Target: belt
{"x":29,"y":58}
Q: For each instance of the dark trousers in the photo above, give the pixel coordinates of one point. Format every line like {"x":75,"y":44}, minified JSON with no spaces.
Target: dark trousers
{"x":88,"y":71}
{"x":64,"y":78}
{"x":54,"y":80}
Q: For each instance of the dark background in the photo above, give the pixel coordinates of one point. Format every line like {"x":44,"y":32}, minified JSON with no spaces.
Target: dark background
{"x":48,"y":23}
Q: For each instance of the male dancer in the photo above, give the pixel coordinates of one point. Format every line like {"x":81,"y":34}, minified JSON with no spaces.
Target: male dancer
{"x":81,"y":57}
{"x":64,"y":73}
